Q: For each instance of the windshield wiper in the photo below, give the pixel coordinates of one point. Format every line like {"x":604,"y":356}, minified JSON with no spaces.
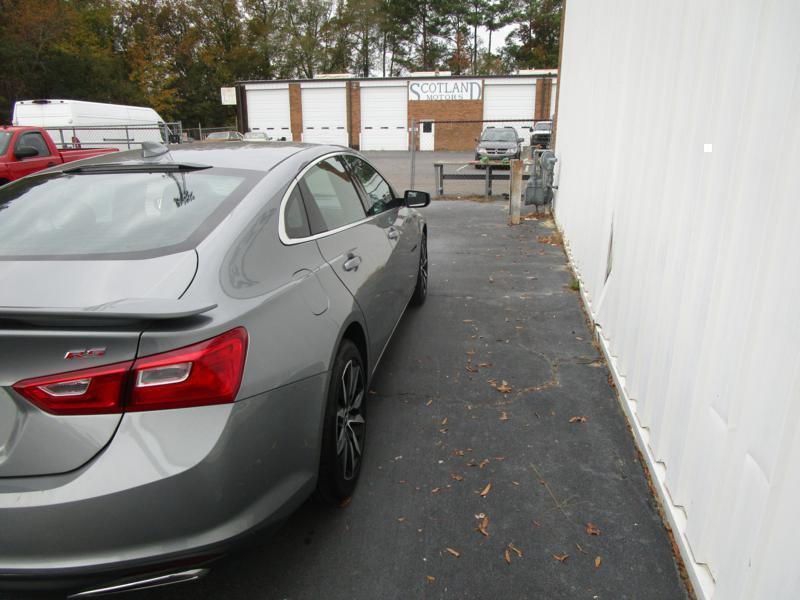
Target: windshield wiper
{"x":138,"y":167}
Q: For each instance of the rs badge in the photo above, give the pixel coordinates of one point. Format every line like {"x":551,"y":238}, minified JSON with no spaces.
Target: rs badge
{"x":88,"y":353}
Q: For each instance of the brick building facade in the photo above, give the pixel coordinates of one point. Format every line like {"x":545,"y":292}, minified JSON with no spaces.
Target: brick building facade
{"x":377,"y":113}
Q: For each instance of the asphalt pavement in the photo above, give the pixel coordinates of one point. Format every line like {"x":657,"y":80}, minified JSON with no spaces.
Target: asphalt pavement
{"x":396,"y":167}
{"x":499,"y":463}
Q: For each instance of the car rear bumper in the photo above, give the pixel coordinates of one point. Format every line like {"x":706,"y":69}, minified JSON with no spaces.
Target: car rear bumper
{"x":173,"y":487}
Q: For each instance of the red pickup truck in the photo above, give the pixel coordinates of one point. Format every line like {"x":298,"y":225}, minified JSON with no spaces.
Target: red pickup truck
{"x":25,"y":150}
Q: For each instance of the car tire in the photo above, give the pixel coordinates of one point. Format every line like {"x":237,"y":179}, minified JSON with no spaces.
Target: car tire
{"x":344,"y":428}
{"x":421,"y":289}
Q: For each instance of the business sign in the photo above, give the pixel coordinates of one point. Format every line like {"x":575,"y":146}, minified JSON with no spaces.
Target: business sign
{"x":452,"y":89}
{"x":228,"y":95}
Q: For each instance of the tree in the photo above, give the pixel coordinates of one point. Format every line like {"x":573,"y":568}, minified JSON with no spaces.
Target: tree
{"x":534,"y":42}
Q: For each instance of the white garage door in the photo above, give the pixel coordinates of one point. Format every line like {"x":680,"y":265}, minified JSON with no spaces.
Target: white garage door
{"x":325,"y":113}
{"x":384,"y":116}
{"x":506,"y":99}
{"x":268,"y":110}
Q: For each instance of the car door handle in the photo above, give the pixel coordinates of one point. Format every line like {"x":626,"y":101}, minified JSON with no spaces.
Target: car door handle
{"x":352,"y":262}
{"x":393,"y":233}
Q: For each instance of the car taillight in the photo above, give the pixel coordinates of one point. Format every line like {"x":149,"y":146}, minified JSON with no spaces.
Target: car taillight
{"x":94,"y":391}
{"x":208,"y":372}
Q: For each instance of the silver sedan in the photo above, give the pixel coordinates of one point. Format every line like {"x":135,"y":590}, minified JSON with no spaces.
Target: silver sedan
{"x":186,"y":342}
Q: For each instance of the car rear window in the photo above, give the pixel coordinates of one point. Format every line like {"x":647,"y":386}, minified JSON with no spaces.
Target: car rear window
{"x":115,"y":215}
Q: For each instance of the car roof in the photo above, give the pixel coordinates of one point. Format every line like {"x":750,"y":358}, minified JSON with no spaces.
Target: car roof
{"x":256,"y":156}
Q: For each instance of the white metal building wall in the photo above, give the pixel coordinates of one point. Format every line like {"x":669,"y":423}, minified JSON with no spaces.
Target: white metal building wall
{"x":324,"y":112}
{"x":384,"y":115}
{"x":699,"y":313}
{"x":509,"y":99}
{"x":268,"y":109}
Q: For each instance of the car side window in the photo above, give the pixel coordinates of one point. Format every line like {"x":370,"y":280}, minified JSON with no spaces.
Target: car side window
{"x":295,"y":219}
{"x":33,"y":139}
{"x":379,"y":194}
{"x":332,"y":196}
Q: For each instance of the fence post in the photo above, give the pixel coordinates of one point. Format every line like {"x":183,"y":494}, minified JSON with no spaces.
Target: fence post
{"x":413,"y":151}
{"x":199,"y":131}
{"x":127,"y":137}
{"x":515,"y":195}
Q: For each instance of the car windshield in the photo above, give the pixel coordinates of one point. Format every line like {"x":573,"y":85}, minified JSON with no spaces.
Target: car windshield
{"x":255,"y":135}
{"x":542,"y":126}
{"x":115,"y":215}
{"x":499,"y":135}
{"x":5,"y":137}
{"x":219,"y":135}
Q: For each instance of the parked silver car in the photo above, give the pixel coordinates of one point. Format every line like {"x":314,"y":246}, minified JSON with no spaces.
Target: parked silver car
{"x":186,"y":342}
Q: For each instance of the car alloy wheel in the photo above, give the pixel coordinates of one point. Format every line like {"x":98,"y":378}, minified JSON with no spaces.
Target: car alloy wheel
{"x":421,"y":291}
{"x":344,"y":429}
{"x":350,"y":423}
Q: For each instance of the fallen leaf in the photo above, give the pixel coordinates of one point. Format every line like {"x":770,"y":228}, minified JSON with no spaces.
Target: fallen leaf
{"x":457,"y":477}
{"x":444,"y":422}
{"x":400,"y":519}
{"x":579,"y":419}
{"x":491,"y":279}
{"x":537,"y":524}
{"x":429,"y":402}
{"x":484,"y":526}
{"x":592,"y":529}
{"x":470,"y":352}
{"x":516,"y":550}
{"x":484,"y":365}
{"x":561,"y":557}
{"x":504,"y":416}
{"x":515,"y":482}
{"x":486,"y":490}
{"x":435,"y":490}
{"x":507,"y":557}
{"x":580,"y":548}
{"x":458,"y":453}
{"x":504,"y":388}
{"x":484,"y":462}
{"x":430,"y":578}
{"x":468,"y":321}
{"x":455,"y":553}
{"x":346,"y":502}
{"x":470,"y":368}
{"x":597,"y":561}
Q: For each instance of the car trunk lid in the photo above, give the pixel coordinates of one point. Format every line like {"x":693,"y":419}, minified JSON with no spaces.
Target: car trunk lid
{"x":61,"y":316}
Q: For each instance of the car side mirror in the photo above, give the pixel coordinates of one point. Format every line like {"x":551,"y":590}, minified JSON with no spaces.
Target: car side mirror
{"x":416,"y":199}
{"x":26,"y":152}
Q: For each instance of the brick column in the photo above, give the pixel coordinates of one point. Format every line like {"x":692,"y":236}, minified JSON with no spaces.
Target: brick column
{"x":296,"y":111}
{"x":354,"y":113}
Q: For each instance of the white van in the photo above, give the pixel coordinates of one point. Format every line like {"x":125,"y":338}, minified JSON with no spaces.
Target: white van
{"x":75,"y":123}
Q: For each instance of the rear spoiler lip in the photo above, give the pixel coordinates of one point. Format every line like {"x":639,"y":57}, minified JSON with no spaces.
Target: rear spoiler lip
{"x":128,"y":310}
